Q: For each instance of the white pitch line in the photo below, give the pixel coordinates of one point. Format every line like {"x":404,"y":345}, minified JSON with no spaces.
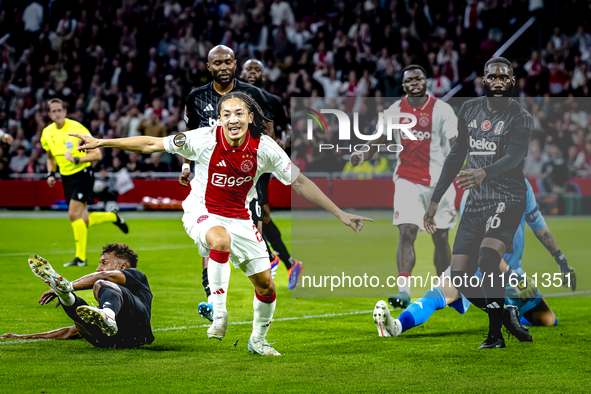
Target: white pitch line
{"x":189,"y":245}
{"x":550,"y":295}
{"x":207,"y":325}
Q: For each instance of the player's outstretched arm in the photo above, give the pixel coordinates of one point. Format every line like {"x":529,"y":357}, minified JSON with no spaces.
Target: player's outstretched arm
{"x":136,"y":144}
{"x":308,"y":189}
{"x":569,"y":278}
{"x":60,"y":333}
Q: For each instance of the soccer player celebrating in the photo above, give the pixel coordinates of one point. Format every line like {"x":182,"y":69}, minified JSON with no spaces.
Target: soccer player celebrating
{"x":415,"y":176}
{"x":77,"y":176}
{"x":533,"y":308}
{"x":122,"y":291}
{"x":494,"y":133}
{"x":253,"y":71}
{"x":201,"y":112}
{"x":229,"y":160}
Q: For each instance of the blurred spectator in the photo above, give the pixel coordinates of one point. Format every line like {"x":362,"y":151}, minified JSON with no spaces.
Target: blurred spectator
{"x":583,"y":160}
{"x":18,"y":162}
{"x":330,"y":83}
{"x":555,"y":172}
{"x":534,"y":161}
{"x":154,"y":164}
{"x":152,"y":127}
{"x":439,"y":84}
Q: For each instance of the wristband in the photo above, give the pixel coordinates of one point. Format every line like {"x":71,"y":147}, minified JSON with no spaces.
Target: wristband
{"x":357,"y":153}
{"x":187,"y":167}
{"x":560,"y":259}
{"x":51,"y":174}
{"x":77,"y":160}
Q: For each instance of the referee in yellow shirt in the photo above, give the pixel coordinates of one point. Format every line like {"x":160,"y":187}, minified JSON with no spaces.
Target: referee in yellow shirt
{"x":77,"y":176}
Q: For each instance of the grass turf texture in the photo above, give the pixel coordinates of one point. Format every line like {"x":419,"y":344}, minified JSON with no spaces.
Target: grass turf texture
{"x":324,"y":354}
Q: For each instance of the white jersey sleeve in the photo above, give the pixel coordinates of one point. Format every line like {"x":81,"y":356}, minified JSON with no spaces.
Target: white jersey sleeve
{"x":277,"y":162}
{"x":448,"y":118}
{"x":190,"y":144}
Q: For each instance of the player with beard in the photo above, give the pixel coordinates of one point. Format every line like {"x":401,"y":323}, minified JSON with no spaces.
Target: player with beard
{"x":417,"y":171}
{"x":201,"y":111}
{"x":253,"y":71}
{"x":493,"y":137}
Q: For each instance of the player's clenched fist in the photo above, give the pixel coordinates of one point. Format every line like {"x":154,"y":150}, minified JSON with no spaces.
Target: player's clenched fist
{"x":184,"y":177}
{"x":429,"y":218}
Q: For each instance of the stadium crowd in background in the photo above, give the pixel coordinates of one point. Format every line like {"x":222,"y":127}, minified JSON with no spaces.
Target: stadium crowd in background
{"x":125,"y":67}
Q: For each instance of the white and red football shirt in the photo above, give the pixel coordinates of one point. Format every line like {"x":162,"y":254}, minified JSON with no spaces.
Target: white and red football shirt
{"x":225,"y":177}
{"x":421,"y":161}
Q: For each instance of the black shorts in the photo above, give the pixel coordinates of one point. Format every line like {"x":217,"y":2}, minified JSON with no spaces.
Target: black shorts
{"x":256,"y":210}
{"x":264,"y":186}
{"x":78,"y":186}
{"x":499,"y":222}
{"x":133,"y":323}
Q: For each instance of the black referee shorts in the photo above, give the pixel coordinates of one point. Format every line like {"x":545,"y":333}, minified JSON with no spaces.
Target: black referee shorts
{"x":500,"y":222}
{"x":79,"y":186}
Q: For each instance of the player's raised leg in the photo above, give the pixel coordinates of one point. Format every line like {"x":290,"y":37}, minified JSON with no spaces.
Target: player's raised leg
{"x":110,"y":298}
{"x":219,"y":242}
{"x":264,"y":306}
{"x":60,"y":285}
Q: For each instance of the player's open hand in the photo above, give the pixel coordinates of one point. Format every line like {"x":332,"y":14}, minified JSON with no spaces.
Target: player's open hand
{"x":184,"y":178}
{"x":13,"y":336}
{"x":429,"y":218}
{"x":354,"y":221}
{"x":47,"y":297}
{"x":85,"y":142}
{"x":467,"y":179}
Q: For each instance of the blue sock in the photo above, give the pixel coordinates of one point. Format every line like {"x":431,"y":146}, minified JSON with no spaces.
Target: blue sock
{"x":419,"y":311}
{"x":524,"y":321}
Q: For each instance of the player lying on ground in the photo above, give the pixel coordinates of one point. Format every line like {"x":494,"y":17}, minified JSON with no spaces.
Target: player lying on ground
{"x":229,"y":160}
{"x":533,"y":308}
{"x":122,"y":291}
{"x":493,"y":137}
{"x":415,"y":176}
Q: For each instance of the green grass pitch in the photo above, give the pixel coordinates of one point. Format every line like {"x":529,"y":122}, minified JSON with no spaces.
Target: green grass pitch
{"x":341,"y":354}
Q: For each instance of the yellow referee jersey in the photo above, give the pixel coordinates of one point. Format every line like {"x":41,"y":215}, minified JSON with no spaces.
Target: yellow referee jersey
{"x":58,"y":142}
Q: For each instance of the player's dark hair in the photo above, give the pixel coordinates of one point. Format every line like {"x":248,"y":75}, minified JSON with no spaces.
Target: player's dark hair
{"x":498,"y":60}
{"x":411,"y":67}
{"x":123,"y":252}
{"x":258,"y":126}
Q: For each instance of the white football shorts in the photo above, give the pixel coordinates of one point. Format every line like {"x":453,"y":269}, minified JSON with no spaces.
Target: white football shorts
{"x":247,"y":251}
{"x":411,"y":201}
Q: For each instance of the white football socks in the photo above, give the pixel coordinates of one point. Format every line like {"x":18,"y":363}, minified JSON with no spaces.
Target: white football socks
{"x":66,"y":299}
{"x":263,"y":313}
{"x":219,"y":278}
